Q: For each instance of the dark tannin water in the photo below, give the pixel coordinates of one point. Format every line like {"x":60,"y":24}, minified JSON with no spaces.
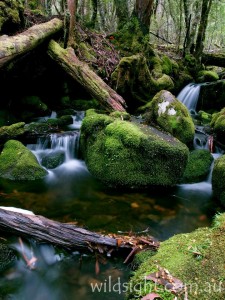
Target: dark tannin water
{"x":70,"y":194}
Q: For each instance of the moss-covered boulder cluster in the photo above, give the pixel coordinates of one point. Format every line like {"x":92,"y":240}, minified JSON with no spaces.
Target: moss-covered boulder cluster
{"x":123,"y":153}
{"x":196,"y":259}
{"x":11,"y":16}
{"x":170,"y":115}
{"x":19,"y":163}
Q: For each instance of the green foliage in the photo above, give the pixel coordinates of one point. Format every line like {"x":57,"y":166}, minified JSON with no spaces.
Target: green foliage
{"x":198,"y":166}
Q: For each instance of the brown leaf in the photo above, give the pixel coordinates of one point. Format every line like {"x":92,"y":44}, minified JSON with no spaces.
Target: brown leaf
{"x":151,"y":296}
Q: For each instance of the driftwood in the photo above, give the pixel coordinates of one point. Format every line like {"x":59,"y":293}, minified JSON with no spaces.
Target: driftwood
{"x":81,"y":72}
{"x":214,"y":59}
{"x":13,"y":46}
{"x":70,"y":236}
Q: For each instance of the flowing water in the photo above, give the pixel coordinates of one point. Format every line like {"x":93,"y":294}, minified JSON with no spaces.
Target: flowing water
{"x":70,"y":194}
{"x":189,"y":96}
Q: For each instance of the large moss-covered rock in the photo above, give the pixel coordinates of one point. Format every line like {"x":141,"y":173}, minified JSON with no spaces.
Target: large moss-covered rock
{"x":11,"y":15}
{"x":122,"y":153}
{"x":207,"y":75}
{"x":198,"y":166}
{"x":12,"y":131}
{"x":196,"y":258}
{"x":138,"y":79}
{"x":171,"y":115}
{"x":218,"y":125}
{"x":19,"y":163}
{"x":218,"y":179}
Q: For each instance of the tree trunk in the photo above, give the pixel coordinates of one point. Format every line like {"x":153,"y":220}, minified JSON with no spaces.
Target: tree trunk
{"x":206,"y":6}
{"x":95,"y":12}
{"x":122,"y":12}
{"x":72,"y":9}
{"x":14,"y":46}
{"x":67,"y":235}
{"x":143,"y":10}
{"x":81,"y":72}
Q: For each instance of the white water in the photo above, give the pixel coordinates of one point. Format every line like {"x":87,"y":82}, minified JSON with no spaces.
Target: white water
{"x":189,"y":96}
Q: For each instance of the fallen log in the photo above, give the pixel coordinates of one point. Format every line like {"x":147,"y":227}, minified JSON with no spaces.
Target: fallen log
{"x":81,"y":72}
{"x":13,"y":46}
{"x":214,"y":59}
{"x":25,"y":224}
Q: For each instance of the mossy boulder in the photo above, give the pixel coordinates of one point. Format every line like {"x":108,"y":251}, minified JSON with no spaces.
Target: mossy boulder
{"x":123,"y":153}
{"x":53,"y":159}
{"x":19,"y":163}
{"x":12,"y":131}
{"x":218,"y":125}
{"x":198,"y":166}
{"x":218,"y":179}
{"x":34,"y":104}
{"x":11,"y":16}
{"x":138,"y":79}
{"x":204,"y":117}
{"x":196,"y":258}
{"x":171,"y":115}
{"x":212,"y":96}
{"x":207,"y":75}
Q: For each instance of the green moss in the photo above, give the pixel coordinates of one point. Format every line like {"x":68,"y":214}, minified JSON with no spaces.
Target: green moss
{"x":11,"y":15}
{"x":218,"y":125}
{"x":19,"y":163}
{"x":198,"y":166}
{"x":196,"y":258}
{"x":204,"y":117}
{"x":206,"y":75}
{"x":12,"y":131}
{"x":218,"y":179}
{"x":122,"y":153}
{"x":171,"y":115}
{"x":34,"y":103}
{"x":120,"y":115}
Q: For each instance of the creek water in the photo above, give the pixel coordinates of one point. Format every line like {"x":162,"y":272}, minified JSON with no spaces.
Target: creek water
{"x":70,"y":194}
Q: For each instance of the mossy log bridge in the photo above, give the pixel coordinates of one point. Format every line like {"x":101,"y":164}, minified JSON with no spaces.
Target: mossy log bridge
{"x":69,"y":236}
{"x":81,"y":72}
{"x":14,"y":46}
{"x":214,"y":59}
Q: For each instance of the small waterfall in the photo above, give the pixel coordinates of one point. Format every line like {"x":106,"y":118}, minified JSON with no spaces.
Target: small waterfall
{"x":189,"y":96}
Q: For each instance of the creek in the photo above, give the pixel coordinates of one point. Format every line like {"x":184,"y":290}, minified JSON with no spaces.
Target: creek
{"x":70,"y":194}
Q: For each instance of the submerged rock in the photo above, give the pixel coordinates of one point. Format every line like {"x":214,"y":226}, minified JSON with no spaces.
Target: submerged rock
{"x":19,"y":163}
{"x":196,"y":259}
{"x":198,"y":166}
{"x":53,"y":160}
{"x":171,"y":115}
{"x":218,"y":179}
{"x":123,"y":153}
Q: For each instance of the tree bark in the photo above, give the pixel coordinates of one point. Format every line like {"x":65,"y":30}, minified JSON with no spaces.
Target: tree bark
{"x":67,"y":235}
{"x":14,"y":46}
{"x":81,"y":72}
{"x":143,"y":10}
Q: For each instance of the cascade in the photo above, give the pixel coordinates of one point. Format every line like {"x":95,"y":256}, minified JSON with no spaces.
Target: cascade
{"x":189,"y":96}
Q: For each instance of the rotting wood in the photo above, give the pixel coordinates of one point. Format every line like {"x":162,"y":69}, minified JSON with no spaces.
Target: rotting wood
{"x":70,"y":236}
{"x":13,"y":46}
{"x":82,"y":73}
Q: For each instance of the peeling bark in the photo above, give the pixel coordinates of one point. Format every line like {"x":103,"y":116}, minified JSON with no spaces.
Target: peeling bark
{"x":13,"y":46}
{"x":81,"y":72}
{"x":67,"y":235}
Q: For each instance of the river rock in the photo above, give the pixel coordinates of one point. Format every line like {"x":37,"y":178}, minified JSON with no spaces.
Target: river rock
{"x":171,"y":115}
{"x":218,"y":179}
{"x":53,"y":159}
{"x":123,"y":153}
{"x":12,"y":131}
{"x":218,"y":125}
{"x":19,"y":163}
{"x":198,"y":166}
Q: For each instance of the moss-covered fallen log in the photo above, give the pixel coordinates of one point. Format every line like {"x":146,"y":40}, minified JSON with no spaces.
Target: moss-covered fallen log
{"x":13,"y":46}
{"x":214,"y":59}
{"x":26,"y":224}
{"x":81,"y":72}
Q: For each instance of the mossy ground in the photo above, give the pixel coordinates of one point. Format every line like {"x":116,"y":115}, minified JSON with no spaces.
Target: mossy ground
{"x":218,"y":179}
{"x":196,"y":258}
